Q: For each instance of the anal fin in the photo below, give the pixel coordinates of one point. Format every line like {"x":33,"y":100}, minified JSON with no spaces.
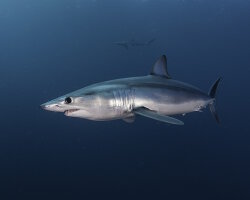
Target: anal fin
{"x":153,"y":115}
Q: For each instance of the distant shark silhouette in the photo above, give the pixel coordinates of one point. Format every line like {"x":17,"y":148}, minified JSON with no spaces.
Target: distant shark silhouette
{"x":134,"y":43}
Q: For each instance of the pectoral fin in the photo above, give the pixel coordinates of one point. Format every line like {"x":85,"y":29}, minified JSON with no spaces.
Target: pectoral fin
{"x":153,"y":115}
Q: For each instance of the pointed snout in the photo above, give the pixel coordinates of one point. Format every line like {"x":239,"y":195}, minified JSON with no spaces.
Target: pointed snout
{"x":52,"y":106}
{"x":45,"y":106}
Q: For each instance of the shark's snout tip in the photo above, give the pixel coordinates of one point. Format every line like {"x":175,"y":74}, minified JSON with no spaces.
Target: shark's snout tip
{"x":43,"y":106}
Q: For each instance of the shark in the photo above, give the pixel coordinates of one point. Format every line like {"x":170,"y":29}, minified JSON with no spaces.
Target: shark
{"x":134,"y":43}
{"x":156,"y":96}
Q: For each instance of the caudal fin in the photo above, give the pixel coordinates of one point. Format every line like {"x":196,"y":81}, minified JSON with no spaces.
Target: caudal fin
{"x":212,"y":94}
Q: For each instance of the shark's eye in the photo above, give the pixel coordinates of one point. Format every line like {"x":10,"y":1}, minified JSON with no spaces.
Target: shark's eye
{"x":68,"y":100}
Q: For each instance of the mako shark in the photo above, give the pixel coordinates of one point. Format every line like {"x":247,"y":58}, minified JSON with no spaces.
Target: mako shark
{"x":156,"y":96}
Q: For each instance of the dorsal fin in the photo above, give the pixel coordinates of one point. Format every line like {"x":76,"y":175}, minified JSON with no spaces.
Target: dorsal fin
{"x":160,"y":67}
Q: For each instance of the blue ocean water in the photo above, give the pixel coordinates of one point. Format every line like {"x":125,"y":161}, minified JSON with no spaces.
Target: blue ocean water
{"x":49,"y":48}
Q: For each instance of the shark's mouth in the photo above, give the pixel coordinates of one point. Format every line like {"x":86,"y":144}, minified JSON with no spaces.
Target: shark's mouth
{"x":68,"y":112}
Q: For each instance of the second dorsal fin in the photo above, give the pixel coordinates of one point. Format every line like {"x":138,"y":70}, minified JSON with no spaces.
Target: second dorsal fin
{"x":160,"y":67}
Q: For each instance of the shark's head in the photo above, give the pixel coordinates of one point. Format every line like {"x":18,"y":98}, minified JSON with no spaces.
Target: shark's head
{"x":71,"y":105}
{"x":89,"y":105}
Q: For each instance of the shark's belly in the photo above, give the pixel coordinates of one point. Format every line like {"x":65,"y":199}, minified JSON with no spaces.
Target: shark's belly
{"x":103,"y":115}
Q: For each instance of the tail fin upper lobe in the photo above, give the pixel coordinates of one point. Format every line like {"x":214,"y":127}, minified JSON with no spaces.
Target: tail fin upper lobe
{"x":212,"y":94}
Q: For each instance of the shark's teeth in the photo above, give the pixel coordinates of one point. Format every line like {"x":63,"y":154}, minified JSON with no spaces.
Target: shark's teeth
{"x":67,"y":112}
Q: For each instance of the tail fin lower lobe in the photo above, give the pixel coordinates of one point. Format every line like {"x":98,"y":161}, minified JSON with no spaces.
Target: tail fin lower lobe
{"x":212,"y":94}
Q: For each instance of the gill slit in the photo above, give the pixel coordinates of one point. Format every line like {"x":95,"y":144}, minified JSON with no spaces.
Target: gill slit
{"x":124,"y":100}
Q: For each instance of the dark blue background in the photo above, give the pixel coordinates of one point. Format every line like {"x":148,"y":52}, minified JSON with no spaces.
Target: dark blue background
{"x":49,"y":48}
